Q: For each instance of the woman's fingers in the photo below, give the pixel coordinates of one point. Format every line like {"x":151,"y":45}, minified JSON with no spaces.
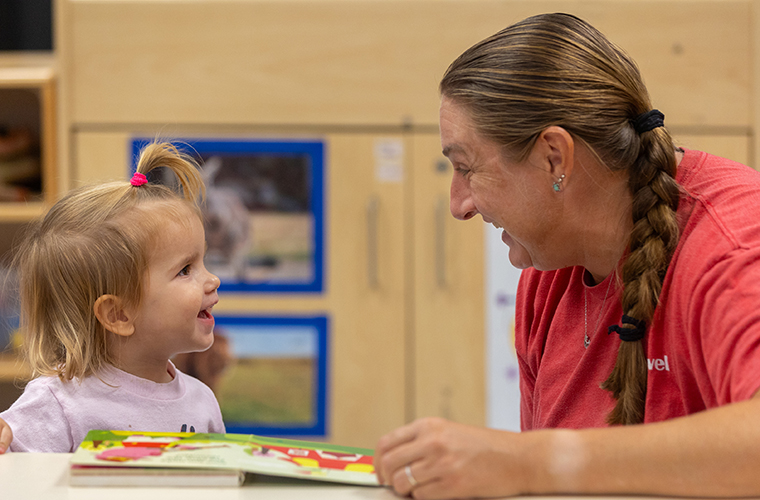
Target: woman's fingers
{"x":433,"y":458}
{"x":406,"y":446}
{"x":409,"y":477}
{"x":394,"y":449}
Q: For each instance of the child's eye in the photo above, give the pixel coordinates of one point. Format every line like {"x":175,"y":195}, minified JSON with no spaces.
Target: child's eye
{"x":185,"y":271}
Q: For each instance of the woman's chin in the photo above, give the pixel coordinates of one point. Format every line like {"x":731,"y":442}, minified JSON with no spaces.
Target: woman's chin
{"x":519,"y":264}
{"x":506,"y":238}
{"x":518,"y":256}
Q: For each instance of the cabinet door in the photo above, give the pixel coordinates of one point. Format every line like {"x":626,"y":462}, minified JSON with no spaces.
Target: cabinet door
{"x":449,"y":290}
{"x":365,"y":270}
{"x":366,"y":288}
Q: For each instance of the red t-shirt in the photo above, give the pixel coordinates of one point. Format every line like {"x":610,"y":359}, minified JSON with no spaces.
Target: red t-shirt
{"x":703,"y":346}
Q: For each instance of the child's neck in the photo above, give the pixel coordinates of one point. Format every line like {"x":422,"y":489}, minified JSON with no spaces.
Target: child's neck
{"x":129,"y":356}
{"x":154,"y":370}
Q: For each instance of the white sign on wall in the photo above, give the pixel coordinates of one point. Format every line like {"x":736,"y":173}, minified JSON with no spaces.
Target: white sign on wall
{"x":502,"y":381}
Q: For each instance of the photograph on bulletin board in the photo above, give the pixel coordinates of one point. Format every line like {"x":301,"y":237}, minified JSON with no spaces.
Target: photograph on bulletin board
{"x":268,"y":373}
{"x":263,"y":214}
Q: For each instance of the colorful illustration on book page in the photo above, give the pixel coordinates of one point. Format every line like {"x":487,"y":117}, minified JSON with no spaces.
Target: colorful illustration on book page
{"x":316,"y":459}
{"x":255,"y":454}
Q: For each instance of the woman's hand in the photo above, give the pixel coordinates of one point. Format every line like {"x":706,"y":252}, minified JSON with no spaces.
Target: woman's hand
{"x":6,"y":436}
{"x":712,"y":453}
{"x":435,"y":458}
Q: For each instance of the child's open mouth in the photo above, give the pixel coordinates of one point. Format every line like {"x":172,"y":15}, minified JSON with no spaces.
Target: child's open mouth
{"x":205,"y":314}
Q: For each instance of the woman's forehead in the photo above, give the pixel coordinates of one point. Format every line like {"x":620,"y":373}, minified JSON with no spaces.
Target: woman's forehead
{"x":459,"y":134}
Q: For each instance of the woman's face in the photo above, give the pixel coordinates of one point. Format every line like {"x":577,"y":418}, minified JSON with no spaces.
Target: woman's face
{"x":512,"y":196}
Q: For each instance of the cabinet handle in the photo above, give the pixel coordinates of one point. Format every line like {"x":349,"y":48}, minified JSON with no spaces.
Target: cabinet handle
{"x":441,"y":213}
{"x":373,"y":207}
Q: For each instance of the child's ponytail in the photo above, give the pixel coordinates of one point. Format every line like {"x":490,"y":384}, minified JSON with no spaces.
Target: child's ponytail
{"x":184,"y":167}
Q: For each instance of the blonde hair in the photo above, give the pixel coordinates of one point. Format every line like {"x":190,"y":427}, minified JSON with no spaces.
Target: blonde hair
{"x":94,"y":241}
{"x":555,"y":69}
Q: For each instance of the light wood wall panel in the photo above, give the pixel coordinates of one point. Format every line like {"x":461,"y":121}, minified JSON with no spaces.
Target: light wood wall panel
{"x":449,"y":296}
{"x":372,"y":61}
{"x":100,"y":157}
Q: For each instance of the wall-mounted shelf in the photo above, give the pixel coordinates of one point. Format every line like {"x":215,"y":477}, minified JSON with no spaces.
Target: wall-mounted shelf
{"x":27,"y":136}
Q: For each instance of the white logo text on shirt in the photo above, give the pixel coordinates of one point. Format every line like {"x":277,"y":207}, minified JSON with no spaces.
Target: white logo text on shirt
{"x":658,"y":364}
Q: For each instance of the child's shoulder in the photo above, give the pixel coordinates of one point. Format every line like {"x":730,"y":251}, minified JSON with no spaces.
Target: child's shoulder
{"x":44,"y":382}
{"x":193,"y":385}
{"x":56,"y":386}
{"x":46,"y":387}
{"x":39,"y":393}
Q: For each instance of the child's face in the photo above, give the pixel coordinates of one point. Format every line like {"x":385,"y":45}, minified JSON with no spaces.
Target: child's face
{"x":175,"y":311}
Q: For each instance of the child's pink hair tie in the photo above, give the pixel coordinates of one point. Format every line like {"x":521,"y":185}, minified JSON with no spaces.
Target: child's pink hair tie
{"x":138,"y":179}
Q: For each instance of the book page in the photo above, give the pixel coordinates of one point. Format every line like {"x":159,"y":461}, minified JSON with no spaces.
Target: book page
{"x":245,"y":452}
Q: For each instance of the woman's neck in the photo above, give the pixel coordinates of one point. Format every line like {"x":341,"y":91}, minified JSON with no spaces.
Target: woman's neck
{"x":598,"y":220}
{"x":606,"y":242}
{"x":607,"y":223}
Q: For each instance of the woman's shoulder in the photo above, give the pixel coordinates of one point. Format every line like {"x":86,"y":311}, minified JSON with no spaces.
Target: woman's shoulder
{"x":700,"y":166}
{"x":717,"y":181}
{"x":720,"y":205}
{"x":719,"y":218}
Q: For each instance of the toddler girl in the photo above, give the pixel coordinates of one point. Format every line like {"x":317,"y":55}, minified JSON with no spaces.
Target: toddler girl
{"x":112,"y":286}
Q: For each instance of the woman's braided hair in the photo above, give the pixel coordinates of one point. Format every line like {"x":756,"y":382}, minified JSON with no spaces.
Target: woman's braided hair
{"x":555,"y":69}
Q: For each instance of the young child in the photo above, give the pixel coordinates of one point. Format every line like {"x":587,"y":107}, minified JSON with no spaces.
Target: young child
{"x":112,"y":286}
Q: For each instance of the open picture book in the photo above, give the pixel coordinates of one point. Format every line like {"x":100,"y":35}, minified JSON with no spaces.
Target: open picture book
{"x":127,"y":458}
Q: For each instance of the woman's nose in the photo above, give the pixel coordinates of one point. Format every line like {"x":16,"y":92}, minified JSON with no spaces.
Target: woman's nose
{"x":460,"y":203}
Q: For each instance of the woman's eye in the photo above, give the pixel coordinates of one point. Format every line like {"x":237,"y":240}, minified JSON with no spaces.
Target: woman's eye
{"x":185,"y":271}
{"x":464,"y":172}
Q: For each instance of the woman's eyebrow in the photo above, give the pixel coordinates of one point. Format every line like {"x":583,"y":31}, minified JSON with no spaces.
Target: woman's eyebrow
{"x":453,"y":148}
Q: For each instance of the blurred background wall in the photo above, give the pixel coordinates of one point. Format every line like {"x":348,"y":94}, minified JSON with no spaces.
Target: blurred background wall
{"x":417,"y":307}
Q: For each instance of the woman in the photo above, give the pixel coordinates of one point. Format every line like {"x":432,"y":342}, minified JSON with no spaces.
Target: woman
{"x":639,"y":299}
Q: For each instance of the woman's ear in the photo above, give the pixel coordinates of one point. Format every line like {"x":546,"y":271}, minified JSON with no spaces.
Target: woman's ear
{"x":114,"y":317}
{"x":555,"y":148}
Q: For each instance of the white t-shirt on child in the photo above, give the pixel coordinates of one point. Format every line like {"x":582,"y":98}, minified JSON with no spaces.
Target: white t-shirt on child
{"x":55,"y":416}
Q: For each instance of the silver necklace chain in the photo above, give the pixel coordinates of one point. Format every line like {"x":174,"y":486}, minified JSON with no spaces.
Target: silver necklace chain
{"x":586,"y":338}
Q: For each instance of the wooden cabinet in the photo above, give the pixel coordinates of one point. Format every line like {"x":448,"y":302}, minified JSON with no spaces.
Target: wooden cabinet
{"x":28,"y":183}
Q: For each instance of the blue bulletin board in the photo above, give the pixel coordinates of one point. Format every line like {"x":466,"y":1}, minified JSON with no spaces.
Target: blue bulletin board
{"x":276,"y":384}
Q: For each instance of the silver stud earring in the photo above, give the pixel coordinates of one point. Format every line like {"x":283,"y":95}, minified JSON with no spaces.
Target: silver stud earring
{"x":557,"y":186}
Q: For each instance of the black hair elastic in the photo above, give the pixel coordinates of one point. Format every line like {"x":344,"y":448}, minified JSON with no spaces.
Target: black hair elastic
{"x":648,"y":121}
{"x":629,"y":334}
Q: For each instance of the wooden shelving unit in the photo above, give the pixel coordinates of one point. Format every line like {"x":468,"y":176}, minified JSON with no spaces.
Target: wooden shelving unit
{"x":27,"y":101}
{"x":35,"y":74}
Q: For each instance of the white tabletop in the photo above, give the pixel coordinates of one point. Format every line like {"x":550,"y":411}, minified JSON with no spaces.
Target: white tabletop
{"x":42,"y":476}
